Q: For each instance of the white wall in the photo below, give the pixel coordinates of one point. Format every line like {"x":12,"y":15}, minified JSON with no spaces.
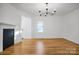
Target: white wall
{"x":52,"y":27}
{"x":11,"y":15}
{"x":66,"y":26}
{"x":71,"y":26}
{"x":58,"y":26}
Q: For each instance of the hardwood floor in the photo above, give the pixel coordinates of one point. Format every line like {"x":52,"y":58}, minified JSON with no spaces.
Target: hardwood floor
{"x":53,"y":46}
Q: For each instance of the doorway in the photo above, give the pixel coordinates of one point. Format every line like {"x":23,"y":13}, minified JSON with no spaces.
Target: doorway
{"x":8,"y":38}
{"x":26,"y":27}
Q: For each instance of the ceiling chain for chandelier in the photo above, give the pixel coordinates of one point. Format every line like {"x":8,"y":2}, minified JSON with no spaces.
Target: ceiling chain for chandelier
{"x":47,"y":12}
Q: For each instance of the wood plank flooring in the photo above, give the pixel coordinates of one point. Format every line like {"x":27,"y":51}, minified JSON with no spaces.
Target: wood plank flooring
{"x":47,"y":46}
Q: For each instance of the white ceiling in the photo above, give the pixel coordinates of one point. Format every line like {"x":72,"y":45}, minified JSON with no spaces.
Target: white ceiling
{"x":32,"y":8}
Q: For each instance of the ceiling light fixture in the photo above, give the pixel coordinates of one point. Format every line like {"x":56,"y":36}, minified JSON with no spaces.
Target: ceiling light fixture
{"x":46,"y":12}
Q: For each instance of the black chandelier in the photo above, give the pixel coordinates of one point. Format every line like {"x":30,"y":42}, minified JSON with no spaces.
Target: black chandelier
{"x":47,"y":12}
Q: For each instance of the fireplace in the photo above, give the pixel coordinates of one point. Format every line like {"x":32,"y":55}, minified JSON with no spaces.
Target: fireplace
{"x":8,"y":38}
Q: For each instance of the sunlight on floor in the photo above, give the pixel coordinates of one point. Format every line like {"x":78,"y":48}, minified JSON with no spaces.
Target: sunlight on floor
{"x":39,"y":48}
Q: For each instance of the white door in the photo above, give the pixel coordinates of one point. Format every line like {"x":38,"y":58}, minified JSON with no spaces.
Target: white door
{"x":26,"y":27}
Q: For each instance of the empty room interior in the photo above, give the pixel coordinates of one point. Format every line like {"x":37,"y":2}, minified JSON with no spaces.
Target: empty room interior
{"x":39,"y":28}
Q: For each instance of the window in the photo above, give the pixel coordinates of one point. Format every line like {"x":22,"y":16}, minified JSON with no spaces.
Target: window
{"x":40,"y":26}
